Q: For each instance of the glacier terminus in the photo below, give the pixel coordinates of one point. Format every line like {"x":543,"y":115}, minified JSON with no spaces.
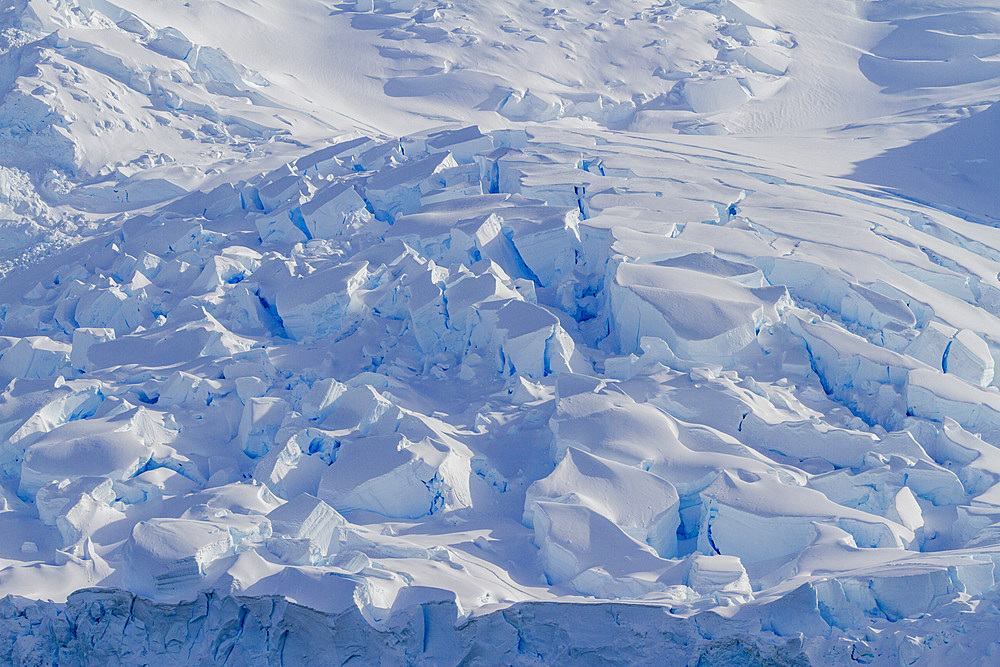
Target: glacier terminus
{"x":445,"y":332}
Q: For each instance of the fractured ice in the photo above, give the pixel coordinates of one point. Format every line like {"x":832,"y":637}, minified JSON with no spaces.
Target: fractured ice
{"x":535,"y":377}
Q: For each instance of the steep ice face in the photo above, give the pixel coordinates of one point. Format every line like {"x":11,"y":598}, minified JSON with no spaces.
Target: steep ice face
{"x":643,"y":505}
{"x":699,"y":315}
{"x":780,"y":521}
{"x":403,"y":479}
{"x":303,"y":529}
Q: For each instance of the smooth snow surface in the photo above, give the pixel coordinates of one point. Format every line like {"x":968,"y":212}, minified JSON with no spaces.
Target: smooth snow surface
{"x":480,"y":331}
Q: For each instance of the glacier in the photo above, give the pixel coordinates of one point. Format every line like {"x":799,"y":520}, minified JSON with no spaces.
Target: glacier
{"x":435,"y":332}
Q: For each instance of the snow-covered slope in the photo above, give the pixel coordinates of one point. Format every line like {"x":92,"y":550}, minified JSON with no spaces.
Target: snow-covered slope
{"x":516,"y":315}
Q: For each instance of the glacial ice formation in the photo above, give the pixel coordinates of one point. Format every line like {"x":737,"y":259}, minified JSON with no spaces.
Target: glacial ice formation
{"x":632,"y":346}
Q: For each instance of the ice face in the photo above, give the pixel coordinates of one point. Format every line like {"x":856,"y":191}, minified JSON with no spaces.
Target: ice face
{"x":34,"y":357}
{"x":643,"y":505}
{"x":89,"y":447}
{"x":574,"y":538}
{"x":303,"y":529}
{"x":395,"y":477}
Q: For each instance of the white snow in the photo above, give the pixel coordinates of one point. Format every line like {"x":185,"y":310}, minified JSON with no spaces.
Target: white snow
{"x":435,"y":318}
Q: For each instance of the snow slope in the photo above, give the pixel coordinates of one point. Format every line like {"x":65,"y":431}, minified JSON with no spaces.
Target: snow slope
{"x":438,"y":319}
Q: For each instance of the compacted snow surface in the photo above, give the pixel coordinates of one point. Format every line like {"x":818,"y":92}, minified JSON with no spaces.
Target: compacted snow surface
{"x":423,"y":331}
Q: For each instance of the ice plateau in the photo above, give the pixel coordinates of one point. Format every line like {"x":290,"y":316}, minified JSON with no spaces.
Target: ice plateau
{"x":440,"y":332}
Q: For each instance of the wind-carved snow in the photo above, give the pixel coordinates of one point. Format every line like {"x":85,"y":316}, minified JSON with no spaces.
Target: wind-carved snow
{"x":426,"y":384}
